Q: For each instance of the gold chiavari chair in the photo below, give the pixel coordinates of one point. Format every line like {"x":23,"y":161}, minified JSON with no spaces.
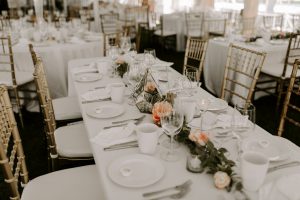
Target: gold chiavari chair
{"x":65,"y":108}
{"x":248,"y":25}
{"x":4,"y":23}
{"x":12,"y":159}
{"x":167,"y":39}
{"x":291,"y":109}
{"x":16,"y":81}
{"x":67,"y":143}
{"x":273,"y":22}
{"x":296,"y":22}
{"x":76,"y":183}
{"x":110,"y":23}
{"x":215,"y":27}
{"x":279,"y":73}
{"x":111,"y":39}
{"x":194,"y":24}
{"x":241,"y":73}
{"x":194,"y":56}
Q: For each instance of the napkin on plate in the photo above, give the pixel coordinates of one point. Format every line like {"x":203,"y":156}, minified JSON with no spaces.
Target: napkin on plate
{"x":91,"y":68}
{"x":116,"y":135}
{"x":98,"y":94}
{"x":285,"y":188}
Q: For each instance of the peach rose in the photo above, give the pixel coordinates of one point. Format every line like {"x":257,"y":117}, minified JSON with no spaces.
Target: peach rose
{"x":150,"y":87}
{"x":120,"y":62}
{"x":160,"y":108}
{"x":221,"y":179}
{"x":200,"y":138}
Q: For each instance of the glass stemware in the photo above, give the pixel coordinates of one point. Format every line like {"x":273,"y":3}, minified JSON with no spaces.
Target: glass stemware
{"x":125,"y":44}
{"x":133,"y":77}
{"x":171,"y":123}
{"x":149,"y":56}
{"x":114,"y":53}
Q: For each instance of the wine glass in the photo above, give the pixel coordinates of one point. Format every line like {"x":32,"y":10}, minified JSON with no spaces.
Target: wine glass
{"x":125,"y":44}
{"x":114,"y":53}
{"x":149,"y":56}
{"x":134,"y":75}
{"x":171,"y":123}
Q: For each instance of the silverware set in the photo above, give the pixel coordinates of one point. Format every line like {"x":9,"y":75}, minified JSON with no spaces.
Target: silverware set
{"x":136,"y":120}
{"x":97,"y":100}
{"x":124,"y":145}
{"x":181,"y":191}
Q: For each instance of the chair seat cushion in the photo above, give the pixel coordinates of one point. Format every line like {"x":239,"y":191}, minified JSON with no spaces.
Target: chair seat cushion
{"x":72,"y":141}
{"x":275,"y":70}
{"x":165,"y":33}
{"x":66,"y":108}
{"x":75,"y":184}
{"x":22,"y":78}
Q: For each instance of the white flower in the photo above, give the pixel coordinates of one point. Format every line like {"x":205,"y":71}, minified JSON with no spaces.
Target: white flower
{"x":221,"y":179}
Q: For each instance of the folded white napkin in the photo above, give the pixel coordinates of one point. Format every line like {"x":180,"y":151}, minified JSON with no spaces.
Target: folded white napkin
{"x":96,"y":94}
{"x":91,"y":68}
{"x":160,"y":63}
{"x":116,"y":135}
{"x":285,"y":188}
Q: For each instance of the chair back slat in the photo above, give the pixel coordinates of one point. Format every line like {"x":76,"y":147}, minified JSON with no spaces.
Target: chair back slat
{"x":110,"y":23}
{"x":47,"y":110}
{"x":241,"y":73}
{"x":291,"y":106}
{"x":215,"y":27}
{"x":194,"y":24}
{"x":12,"y":158}
{"x":194,"y":56}
{"x":273,"y":21}
{"x":292,"y":53}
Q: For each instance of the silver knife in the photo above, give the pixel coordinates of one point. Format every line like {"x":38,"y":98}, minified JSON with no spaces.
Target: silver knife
{"x":97,"y":100}
{"x":282,"y":166}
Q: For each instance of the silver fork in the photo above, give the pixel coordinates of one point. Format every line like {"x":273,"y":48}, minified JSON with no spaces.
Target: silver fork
{"x":177,"y":195}
{"x":180,"y":187}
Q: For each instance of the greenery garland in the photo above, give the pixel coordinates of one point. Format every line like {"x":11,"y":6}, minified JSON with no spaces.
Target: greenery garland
{"x":213,"y":160}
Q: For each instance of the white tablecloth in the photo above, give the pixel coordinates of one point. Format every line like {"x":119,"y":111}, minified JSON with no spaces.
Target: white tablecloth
{"x":175,"y":173}
{"x":55,"y":58}
{"x":216,"y":57}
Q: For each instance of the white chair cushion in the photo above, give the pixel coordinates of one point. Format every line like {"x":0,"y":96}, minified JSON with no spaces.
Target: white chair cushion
{"x":72,"y":141}
{"x":66,"y":108}
{"x":276,"y":70}
{"x":22,"y":78}
{"x":74,"y":184}
{"x":165,"y":33}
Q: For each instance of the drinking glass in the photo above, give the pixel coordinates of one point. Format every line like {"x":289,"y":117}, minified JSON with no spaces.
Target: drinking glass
{"x":149,"y":56}
{"x":134,"y":75}
{"x":171,"y":123}
{"x":114,"y":53}
{"x":125,"y":44}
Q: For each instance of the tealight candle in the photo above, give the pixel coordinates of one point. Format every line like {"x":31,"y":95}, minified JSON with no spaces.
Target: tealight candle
{"x":194,"y":163}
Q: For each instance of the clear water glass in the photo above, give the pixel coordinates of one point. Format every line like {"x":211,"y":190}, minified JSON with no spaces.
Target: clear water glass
{"x":125,"y":44}
{"x":114,"y":54}
{"x":171,"y":123}
{"x":149,"y":56}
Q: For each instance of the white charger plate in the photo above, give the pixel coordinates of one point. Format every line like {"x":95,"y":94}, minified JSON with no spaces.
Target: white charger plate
{"x":136,"y":170}
{"x":104,"y":111}
{"x":88,"y":77}
{"x":217,"y":105}
{"x":274,"y":148}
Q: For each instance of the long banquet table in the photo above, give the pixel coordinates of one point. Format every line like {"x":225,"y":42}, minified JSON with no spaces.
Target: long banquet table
{"x":175,"y":172}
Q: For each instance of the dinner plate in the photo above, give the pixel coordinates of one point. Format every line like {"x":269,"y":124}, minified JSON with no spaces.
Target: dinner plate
{"x":88,"y":77}
{"x":273,"y":148}
{"x":136,"y":170}
{"x":217,"y":104}
{"x":103,"y":93}
{"x":104,"y":111}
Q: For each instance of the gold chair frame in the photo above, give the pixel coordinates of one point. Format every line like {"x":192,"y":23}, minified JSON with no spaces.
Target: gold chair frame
{"x":7,"y":52}
{"x":111,"y":39}
{"x":241,"y":62}
{"x":12,"y":158}
{"x":195,"y":51}
{"x":194,"y":22}
{"x":293,"y":89}
{"x":215,"y":27}
{"x":110,"y":23}
{"x":296,"y":22}
{"x":293,"y":52}
{"x":273,"y":21}
{"x":49,"y":117}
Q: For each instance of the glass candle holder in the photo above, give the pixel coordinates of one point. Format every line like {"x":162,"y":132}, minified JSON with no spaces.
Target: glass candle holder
{"x":193,"y":163}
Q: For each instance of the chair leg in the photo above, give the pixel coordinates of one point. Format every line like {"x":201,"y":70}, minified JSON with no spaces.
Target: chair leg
{"x":279,"y":91}
{"x":19,"y":107}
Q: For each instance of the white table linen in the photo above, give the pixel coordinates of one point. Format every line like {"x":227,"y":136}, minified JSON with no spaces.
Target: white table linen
{"x":176,"y":173}
{"x":216,"y":56}
{"x":55,"y":58}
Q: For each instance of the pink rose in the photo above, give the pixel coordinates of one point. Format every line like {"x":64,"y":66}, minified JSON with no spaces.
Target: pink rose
{"x":160,"y":108}
{"x":221,"y":179}
{"x":150,"y":87}
{"x":200,"y":138}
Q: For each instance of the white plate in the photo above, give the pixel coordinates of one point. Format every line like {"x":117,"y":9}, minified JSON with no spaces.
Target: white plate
{"x":136,"y":170}
{"x":105,"y":111}
{"x":88,"y":77}
{"x":217,"y":104}
{"x":273,"y":148}
{"x":96,"y":94}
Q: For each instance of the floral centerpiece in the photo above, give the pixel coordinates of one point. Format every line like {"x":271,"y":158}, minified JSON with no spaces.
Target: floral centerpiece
{"x":159,"y":109}
{"x":122,"y":67}
{"x":150,"y":92}
{"x":212,"y":160}
{"x":281,"y":35}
